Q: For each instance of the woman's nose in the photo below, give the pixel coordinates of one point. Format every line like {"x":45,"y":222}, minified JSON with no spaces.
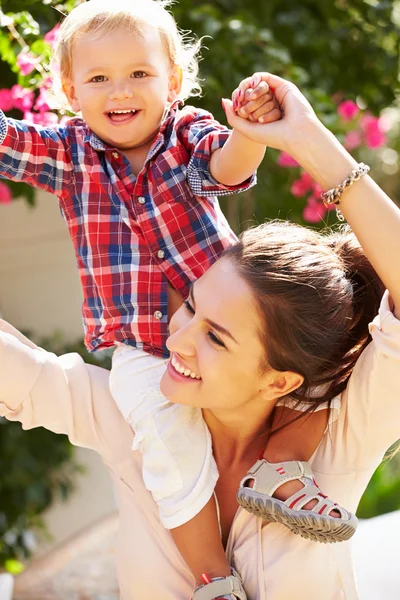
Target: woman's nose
{"x":182,"y":334}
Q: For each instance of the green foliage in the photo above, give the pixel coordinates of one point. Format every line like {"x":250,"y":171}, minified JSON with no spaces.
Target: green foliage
{"x":383,"y":492}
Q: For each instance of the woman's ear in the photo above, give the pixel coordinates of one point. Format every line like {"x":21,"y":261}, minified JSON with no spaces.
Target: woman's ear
{"x":175,"y":83}
{"x":282,"y":383}
{"x":69,"y":90}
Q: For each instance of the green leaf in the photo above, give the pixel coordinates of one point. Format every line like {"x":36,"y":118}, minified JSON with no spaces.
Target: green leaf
{"x":13,"y":566}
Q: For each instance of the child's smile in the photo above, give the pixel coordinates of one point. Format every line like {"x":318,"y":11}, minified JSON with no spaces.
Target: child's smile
{"x":122,"y":117}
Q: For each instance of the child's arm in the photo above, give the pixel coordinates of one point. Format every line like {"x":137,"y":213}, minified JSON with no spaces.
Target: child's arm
{"x":38,"y":156}
{"x":237,"y":160}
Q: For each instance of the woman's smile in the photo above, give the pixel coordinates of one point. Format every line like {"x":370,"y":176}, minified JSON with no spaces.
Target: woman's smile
{"x":179,"y":371}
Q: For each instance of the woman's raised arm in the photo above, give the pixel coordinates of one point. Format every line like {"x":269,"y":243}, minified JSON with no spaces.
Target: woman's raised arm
{"x":374,"y":218}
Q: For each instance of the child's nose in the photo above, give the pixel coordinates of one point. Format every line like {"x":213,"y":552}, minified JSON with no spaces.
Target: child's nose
{"x":121,"y":91}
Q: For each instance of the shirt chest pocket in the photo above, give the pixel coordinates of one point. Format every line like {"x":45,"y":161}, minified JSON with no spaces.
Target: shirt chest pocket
{"x":168,"y":179}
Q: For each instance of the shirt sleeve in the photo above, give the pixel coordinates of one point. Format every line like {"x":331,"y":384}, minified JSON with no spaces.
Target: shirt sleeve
{"x":62,"y":394}
{"x":373,"y":392}
{"x":38,"y":156}
{"x":201,"y":135}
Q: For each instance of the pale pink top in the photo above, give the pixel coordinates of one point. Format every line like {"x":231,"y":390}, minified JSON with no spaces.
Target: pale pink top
{"x":67,"y":396}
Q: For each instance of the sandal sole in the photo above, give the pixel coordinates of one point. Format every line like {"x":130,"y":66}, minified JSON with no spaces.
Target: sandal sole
{"x":307,"y":524}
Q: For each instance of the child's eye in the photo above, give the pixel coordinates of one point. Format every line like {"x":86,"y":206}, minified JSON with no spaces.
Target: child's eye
{"x":98,"y":79}
{"x":139,"y":74}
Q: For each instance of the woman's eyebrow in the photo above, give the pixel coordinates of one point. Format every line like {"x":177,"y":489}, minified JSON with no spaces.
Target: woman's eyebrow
{"x":212,"y":324}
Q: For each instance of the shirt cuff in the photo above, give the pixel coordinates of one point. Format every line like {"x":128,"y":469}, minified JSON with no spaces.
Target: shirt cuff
{"x":3,"y":126}
{"x":199,"y":178}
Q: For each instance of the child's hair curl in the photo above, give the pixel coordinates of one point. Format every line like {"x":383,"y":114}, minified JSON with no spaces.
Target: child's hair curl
{"x":104,"y":16}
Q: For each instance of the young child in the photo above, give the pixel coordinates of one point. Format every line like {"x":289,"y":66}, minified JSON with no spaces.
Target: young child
{"x":137,"y":179}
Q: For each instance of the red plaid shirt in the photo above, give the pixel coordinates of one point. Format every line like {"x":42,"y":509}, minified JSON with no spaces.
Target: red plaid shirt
{"x":132,"y":235}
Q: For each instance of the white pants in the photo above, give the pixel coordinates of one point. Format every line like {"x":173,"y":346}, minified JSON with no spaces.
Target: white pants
{"x":178,"y":465}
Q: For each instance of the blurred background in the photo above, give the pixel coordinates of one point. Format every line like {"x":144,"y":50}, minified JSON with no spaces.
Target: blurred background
{"x":343,"y":54}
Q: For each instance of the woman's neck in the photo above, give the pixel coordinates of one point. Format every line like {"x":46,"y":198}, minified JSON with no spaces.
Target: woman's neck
{"x":237,"y":437}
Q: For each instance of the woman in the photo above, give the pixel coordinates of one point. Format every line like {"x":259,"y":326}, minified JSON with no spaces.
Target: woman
{"x":283,"y":315}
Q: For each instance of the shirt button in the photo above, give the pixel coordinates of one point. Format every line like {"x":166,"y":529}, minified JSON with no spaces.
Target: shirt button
{"x":115,"y":155}
{"x":142,"y":200}
{"x":161,"y":254}
{"x":158,"y":315}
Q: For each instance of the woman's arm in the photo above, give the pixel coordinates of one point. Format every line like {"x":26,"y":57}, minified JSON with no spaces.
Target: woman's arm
{"x":374,"y":218}
{"x":62,"y":394}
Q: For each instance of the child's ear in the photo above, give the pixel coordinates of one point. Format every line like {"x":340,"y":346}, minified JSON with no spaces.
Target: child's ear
{"x":175,"y":83}
{"x":69,"y":90}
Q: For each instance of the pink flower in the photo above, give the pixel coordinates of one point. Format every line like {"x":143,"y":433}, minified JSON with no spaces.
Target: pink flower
{"x":52,"y":35}
{"x":374,"y":131}
{"x":28,"y":116}
{"x":368,"y":122}
{"x":314,"y":211}
{"x":317,"y":191}
{"x":301,"y":186}
{"x":27,"y":62}
{"x":23,"y":98}
{"x":6,"y":100}
{"x":41,"y":103}
{"x":47,"y":82}
{"x":5,"y":194}
{"x":285,"y":160}
{"x":46,"y":119}
{"x":347,"y":110}
{"x":352,"y":140}
{"x":375,"y":139}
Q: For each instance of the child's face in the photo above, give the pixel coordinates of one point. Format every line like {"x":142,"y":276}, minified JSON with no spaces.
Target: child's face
{"x":117,"y":72}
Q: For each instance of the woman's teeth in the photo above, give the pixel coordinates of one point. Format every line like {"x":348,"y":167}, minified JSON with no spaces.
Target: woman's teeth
{"x":182,"y":370}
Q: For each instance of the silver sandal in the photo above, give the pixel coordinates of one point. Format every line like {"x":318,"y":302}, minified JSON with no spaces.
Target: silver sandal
{"x":221,"y":587}
{"x":316,"y":524}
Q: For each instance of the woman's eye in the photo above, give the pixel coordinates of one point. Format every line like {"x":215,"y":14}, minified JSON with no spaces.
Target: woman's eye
{"x":98,"y":79}
{"x":188,"y":307}
{"x":139,"y":74}
{"x":215,"y":339}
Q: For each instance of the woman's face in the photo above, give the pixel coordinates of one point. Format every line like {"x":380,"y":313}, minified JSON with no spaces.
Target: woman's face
{"x":214,"y":341}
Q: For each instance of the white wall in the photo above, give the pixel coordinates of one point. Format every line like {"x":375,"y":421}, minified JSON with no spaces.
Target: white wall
{"x":40,"y":292}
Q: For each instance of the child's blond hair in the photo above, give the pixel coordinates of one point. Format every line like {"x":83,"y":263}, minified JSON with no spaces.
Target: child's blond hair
{"x":99,"y":16}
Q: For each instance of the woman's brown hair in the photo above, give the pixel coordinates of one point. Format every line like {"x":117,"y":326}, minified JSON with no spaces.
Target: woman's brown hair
{"x":316,"y":294}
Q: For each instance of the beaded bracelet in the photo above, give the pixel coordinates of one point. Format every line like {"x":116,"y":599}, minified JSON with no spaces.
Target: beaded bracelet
{"x":332,"y":196}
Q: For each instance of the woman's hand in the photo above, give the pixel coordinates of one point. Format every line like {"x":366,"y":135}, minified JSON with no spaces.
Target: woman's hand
{"x":289,"y":133}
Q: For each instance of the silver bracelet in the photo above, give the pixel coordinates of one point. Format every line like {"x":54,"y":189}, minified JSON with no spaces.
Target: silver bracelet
{"x":332,"y":196}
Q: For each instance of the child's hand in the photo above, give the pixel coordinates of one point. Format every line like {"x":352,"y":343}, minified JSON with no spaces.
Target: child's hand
{"x":253,"y":100}
{"x":289,"y":133}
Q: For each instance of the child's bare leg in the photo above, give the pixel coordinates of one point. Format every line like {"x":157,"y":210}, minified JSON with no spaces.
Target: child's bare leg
{"x":199,"y":542}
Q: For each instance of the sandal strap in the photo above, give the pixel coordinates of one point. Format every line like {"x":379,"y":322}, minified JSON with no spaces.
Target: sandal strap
{"x":220,"y":587}
{"x":268,"y":477}
{"x":324,"y":504}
